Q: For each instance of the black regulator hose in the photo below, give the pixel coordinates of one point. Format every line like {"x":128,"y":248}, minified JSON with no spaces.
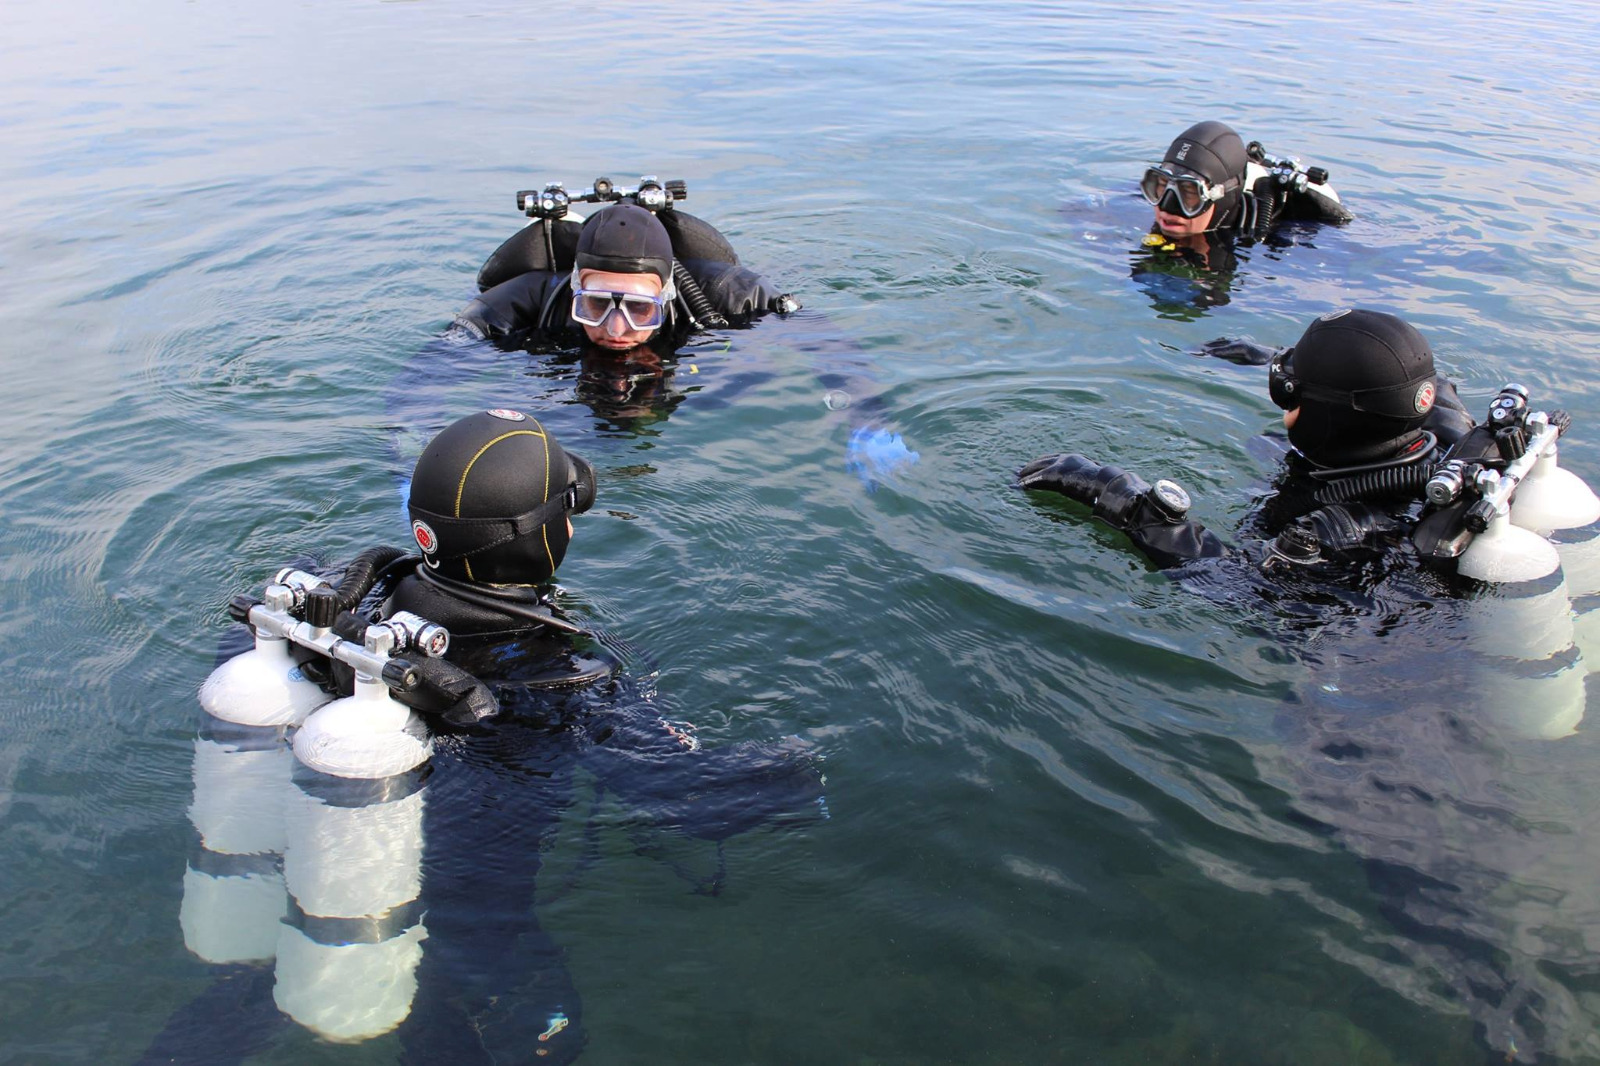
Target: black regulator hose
{"x":694,"y":298}
{"x":363,"y":572}
{"x":1405,"y":480}
{"x":1267,"y":215}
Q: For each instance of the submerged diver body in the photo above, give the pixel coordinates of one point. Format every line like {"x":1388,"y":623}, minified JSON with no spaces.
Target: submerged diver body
{"x":518,"y":706}
{"x":1394,"y":744}
{"x":1210,"y":193}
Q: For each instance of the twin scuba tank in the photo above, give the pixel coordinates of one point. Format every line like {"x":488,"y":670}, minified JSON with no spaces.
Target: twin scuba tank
{"x":1502,"y":512}
{"x":1499,"y":497}
{"x":310,"y":856}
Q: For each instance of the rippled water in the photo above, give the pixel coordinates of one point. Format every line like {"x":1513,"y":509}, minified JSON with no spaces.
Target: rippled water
{"x":1078,"y":814}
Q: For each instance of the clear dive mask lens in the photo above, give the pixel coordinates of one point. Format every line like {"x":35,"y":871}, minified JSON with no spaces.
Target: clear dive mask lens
{"x":1178,"y":194}
{"x":591,"y":306}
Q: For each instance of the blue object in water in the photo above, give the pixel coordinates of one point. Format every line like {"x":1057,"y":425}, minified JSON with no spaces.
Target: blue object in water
{"x":874,"y":454}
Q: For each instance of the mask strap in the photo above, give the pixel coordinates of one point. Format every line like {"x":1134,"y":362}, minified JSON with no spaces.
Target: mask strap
{"x":515,"y":526}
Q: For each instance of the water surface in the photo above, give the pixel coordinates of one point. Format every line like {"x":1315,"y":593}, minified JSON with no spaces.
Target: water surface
{"x":1078,"y":814}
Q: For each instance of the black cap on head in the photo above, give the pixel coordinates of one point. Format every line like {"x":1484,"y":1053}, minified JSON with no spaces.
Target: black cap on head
{"x":490,"y":498}
{"x":625,"y":239}
{"x":1216,"y":153}
{"x":1364,"y":382}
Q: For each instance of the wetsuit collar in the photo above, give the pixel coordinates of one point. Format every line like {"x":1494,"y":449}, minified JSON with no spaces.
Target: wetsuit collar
{"x":1410,"y":448}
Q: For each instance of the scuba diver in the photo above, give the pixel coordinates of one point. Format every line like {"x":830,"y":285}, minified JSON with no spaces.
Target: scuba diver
{"x":1211,"y":192}
{"x":1356,"y":391}
{"x":615,"y":302}
{"x":625,"y":275}
{"x":1359,"y":393}
{"x":1211,"y":182}
{"x":421,"y":804}
{"x":1419,"y":600}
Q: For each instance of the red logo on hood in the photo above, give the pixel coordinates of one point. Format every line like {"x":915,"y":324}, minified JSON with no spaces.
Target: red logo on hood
{"x":1424,"y":398}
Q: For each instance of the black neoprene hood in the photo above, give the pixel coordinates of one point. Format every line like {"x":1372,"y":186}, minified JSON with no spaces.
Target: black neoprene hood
{"x":625,"y":239}
{"x":1210,"y":149}
{"x":1360,"y":354}
{"x":490,"y":498}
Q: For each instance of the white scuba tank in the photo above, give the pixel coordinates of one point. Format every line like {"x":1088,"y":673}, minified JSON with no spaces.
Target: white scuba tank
{"x":1537,"y":636}
{"x":1558,"y":504}
{"x":261,"y":687}
{"x":366,"y":735}
{"x":1526,"y":670}
{"x":348,"y":955}
{"x":233,"y":891}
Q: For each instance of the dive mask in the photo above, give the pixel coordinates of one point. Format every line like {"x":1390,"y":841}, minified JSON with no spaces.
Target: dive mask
{"x":592,"y":306}
{"x":1178,"y":194}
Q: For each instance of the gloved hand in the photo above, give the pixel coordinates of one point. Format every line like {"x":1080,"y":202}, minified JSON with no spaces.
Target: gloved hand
{"x":449,"y":691}
{"x":1118,"y":496}
{"x":1075,"y":476}
{"x":1155,"y":519}
{"x":874,"y":454}
{"x":1238,"y":350}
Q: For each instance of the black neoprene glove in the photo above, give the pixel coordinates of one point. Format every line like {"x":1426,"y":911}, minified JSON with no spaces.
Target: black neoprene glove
{"x":1123,"y":500}
{"x":1074,"y":476}
{"x":1237,"y":350}
{"x":443,"y":688}
{"x":451,"y":692}
{"x":1114,"y":493}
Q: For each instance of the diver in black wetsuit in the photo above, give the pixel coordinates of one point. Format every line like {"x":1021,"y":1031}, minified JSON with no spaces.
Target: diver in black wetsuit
{"x":1211,"y":182}
{"x":1410,"y":693}
{"x":1211,"y":191}
{"x":618,"y":295}
{"x":1360,"y":396}
{"x":522,"y":702}
{"x":490,"y":504}
{"x":623,"y":278}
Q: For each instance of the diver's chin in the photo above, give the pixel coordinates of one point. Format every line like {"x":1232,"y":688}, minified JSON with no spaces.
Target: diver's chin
{"x":1171,"y":226}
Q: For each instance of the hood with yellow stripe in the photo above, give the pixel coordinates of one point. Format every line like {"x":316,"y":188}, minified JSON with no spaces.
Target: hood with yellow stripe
{"x":490,"y":499}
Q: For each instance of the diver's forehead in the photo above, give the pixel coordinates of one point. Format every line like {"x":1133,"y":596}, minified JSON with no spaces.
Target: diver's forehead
{"x":616,"y":281}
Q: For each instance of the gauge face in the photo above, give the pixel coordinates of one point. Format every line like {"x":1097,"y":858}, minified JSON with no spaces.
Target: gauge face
{"x":1172,"y":496}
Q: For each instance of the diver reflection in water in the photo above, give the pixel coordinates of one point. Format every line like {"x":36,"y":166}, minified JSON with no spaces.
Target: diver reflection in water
{"x":388,"y":876}
{"x":1396,"y":745}
{"x":627,"y":391}
{"x":1212,"y":193}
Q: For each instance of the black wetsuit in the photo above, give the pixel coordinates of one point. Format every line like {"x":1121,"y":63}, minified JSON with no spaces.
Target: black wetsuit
{"x":523,"y":292}
{"x":491,"y":980}
{"x":492,"y":985}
